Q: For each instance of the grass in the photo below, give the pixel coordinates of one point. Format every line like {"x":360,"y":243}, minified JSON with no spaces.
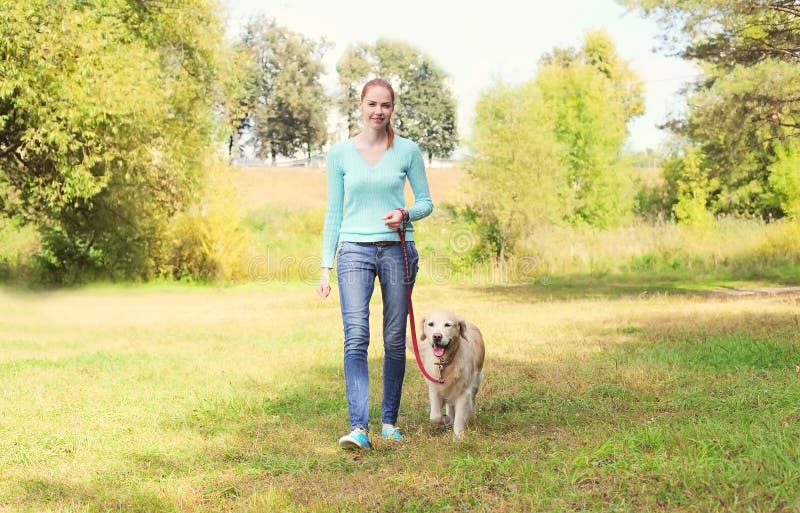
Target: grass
{"x":168,"y":398}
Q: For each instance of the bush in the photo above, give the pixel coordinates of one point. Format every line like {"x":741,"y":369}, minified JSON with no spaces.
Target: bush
{"x":209,"y":241}
{"x":18,"y":246}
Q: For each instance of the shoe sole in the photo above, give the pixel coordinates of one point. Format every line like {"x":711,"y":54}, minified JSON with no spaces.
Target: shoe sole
{"x":352,"y":445}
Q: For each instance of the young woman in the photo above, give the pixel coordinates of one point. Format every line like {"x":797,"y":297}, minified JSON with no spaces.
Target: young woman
{"x":366,"y":179}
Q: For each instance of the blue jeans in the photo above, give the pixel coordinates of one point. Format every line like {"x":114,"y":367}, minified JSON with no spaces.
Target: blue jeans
{"x":358,"y":265}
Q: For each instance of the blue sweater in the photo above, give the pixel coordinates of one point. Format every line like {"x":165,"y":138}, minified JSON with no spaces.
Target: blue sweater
{"x":359,"y":195}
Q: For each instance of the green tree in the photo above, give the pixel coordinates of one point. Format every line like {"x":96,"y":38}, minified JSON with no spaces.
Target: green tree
{"x":353,"y":70}
{"x":426,"y":108}
{"x":784,"y":181}
{"x":744,"y":112}
{"x":240,"y":90}
{"x":106,"y":119}
{"x":727,"y":33}
{"x":289,"y":109}
{"x":593,"y":94}
{"x":691,"y":186}
{"x":517,"y":172}
{"x":549,"y":151}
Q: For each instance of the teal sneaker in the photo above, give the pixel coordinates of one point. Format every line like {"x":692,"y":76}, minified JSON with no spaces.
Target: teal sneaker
{"x":356,"y":439}
{"x":392,"y":433}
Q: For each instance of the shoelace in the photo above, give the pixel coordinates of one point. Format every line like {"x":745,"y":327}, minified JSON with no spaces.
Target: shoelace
{"x":393,"y":432}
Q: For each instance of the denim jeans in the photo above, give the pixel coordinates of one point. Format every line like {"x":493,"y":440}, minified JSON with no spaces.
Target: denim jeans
{"x":358,"y":265}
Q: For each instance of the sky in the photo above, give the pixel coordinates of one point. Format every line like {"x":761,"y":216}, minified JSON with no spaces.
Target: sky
{"x":480,"y":42}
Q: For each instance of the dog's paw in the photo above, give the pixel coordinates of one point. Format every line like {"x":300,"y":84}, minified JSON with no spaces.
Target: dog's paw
{"x":447,"y":421}
{"x":438,"y":421}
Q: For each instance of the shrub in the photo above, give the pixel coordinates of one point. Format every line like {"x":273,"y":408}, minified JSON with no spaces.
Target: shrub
{"x":209,"y":241}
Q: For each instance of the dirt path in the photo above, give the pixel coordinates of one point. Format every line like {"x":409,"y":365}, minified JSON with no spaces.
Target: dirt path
{"x":757,"y":291}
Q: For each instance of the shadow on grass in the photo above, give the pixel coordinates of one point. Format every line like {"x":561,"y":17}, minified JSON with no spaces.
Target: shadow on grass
{"x":101,"y":494}
{"x":607,"y":286}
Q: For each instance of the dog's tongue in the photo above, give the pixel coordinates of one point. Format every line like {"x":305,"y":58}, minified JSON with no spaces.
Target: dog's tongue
{"x":438,"y":351}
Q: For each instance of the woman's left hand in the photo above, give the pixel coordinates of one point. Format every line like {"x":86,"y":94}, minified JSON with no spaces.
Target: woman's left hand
{"x":393,"y":219}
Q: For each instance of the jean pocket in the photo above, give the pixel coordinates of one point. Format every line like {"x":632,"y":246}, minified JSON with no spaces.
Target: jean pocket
{"x":413,"y":256}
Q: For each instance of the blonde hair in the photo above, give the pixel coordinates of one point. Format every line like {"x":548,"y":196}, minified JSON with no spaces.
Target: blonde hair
{"x":379,"y":82}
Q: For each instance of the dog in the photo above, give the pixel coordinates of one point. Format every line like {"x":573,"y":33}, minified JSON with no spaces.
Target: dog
{"x":452,"y":348}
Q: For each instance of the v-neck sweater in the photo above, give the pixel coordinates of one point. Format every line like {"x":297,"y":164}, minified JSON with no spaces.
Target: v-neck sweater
{"x":360,"y":194}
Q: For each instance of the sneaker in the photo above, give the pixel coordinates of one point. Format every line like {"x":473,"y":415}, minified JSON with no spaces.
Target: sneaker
{"x":356,"y":439}
{"x":392,"y":433}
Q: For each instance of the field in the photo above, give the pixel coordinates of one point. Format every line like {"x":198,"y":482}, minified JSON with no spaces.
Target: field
{"x":304,"y":188}
{"x":600,"y":395}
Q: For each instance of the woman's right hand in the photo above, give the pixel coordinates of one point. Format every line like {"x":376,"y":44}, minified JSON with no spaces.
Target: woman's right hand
{"x":324,"y":285}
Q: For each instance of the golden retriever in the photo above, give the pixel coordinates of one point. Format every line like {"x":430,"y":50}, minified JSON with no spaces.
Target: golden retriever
{"x":452,"y":348}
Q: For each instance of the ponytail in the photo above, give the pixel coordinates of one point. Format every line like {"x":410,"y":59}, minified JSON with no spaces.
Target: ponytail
{"x":389,"y":135}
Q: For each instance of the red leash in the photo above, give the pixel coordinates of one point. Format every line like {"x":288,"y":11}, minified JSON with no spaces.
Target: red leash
{"x":402,"y":232}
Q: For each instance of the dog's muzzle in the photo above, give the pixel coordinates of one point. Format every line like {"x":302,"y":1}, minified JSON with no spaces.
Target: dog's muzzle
{"x":438,"y":347}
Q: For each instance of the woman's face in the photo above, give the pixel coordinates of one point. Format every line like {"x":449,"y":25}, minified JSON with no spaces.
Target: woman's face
{"x":376,"y":108}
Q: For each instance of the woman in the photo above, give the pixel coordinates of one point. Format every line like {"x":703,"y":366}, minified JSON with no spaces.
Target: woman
{"x":366,"y":179}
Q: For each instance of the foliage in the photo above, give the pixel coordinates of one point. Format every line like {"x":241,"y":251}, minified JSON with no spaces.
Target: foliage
{"x":286,"y":103}
{"x":652,"y":202}
{"x":744,"y":112}
{"x":742,"y":136}
{"x":209,"y":240}
{"x":550,"y":150}
{"x":594,"y":94}
{"x":105,"y":123}
{"x":239,"y":82}
{"x":691,"y":186}
{"x":784,"y":182}
{"x":426,"y":108}
{"x":517,"y":173}
{"x":726,"y":33}
{"x":18,"y":246}
{"x":353,"y":68}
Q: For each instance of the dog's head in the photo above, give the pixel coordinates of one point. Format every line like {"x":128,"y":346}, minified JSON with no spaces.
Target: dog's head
{"x":442,"y":330}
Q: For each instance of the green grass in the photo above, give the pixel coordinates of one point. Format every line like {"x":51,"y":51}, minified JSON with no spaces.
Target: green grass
{"x":170,"y":398}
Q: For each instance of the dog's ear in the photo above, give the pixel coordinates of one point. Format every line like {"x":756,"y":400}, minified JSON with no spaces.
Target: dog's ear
{"x":462,"y":326}
{"x":421,"y":329}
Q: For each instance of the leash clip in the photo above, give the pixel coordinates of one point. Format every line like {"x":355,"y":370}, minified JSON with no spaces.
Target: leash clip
{"x":441,"y":365}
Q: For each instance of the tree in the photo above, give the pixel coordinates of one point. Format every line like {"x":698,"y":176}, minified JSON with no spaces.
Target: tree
{"x":593,"y":94}
{"x":240,"y":87}
{"x":518,"y":171}
{"x":288,"y":109}
{"x":744,"y":112}
{"x":426,"y":108}
{"x":549,"y":151}
{"x":691,"y":188}
{"x":784,"y":181}
{"x":727,"y":33}
{"x":106,"y":120}
{"x":353,"y":69}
